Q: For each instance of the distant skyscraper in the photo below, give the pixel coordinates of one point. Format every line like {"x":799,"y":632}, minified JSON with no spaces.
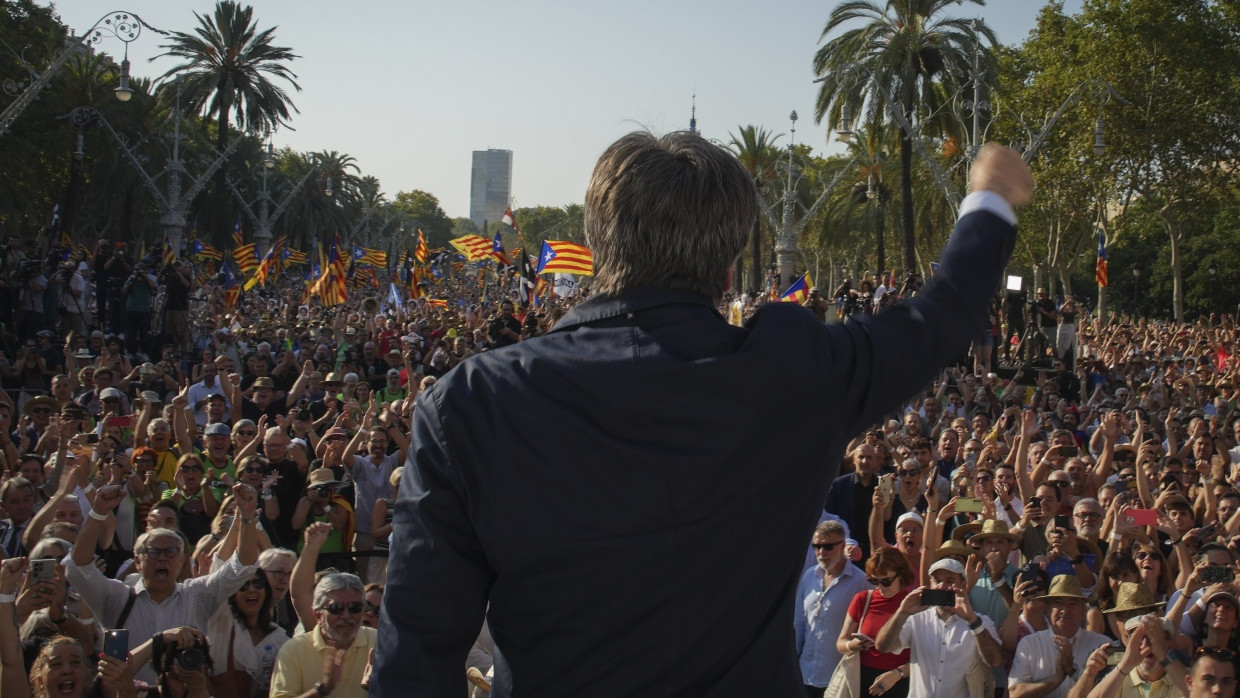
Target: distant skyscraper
{"x":490,"y":187}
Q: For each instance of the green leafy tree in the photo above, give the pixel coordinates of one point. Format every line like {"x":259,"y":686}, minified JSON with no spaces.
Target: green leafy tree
{"x":914,"y":52}
{"x":1174,"y":144}
{"x":423,"y":209}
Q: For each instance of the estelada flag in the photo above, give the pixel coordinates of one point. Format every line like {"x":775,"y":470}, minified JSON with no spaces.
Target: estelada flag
{"x":566,"y":257}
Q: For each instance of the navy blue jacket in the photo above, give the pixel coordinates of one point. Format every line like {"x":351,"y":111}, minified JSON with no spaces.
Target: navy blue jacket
{"x":632,"y":493}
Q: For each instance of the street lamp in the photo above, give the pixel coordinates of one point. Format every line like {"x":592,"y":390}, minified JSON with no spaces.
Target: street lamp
{"x":328,"y":189}
{"x":1136,"y":287}
{"x":123,"y":25}
{"x":786,"y":249}
{"x":123,"y":92}
{"x":1100,"y":145}
{"x":266,"y":219}
{"x":844,"y":135}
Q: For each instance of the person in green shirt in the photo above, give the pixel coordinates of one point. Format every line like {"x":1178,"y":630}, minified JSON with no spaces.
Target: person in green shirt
{"x":393,"y":391}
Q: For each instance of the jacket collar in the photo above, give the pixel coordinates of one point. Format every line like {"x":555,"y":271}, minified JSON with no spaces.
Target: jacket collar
{"x":628,"y":302}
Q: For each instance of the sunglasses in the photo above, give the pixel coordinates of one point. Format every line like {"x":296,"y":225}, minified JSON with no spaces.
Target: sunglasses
{"x":1146,"y":556}
{"x":884,"y":581}
{"x":826,"y":546}
{"x":144,"y":459}
{"x":908,"y":473}
{"x":984,"y":478}
{"x":1219,"y":653}
{"x":41,"y":410}
{"x":1125,"y":459}
{"x":1090,"y":516}
{"x":372,"y":609}
{"x":259,"y":470}
{"x":246,"y":432}
{"x":354,"y":608}
{"x":257,"y":584}
{"x":192,"y":468}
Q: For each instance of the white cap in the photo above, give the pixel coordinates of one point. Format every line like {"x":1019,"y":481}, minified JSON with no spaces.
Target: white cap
{"x":910,"y":516}
{"x":947,"y":564}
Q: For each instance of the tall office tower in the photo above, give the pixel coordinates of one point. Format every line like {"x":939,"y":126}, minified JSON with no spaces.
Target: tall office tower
{"x":490,"y":187}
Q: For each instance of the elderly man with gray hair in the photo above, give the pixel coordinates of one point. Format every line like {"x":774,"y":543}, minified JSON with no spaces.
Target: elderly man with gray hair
{"x":158,"y":601}
{"x":331,"y":658}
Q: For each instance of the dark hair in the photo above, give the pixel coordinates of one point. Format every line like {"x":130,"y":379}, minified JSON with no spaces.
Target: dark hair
{"x":264,"y":620}
{"x":1112,"y":565}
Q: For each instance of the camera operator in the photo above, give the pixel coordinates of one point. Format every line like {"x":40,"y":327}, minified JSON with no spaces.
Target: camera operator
{"x":817,"y":304}
{"x":33,"y":284}
{"x":112,"y":268}
{"x":10,"y":257}
{"x":139,"y":290}
{"x":911,"y":286}
{"x":181,"y":658}
{"x":74,"y":299}
{"x":178,"y":283}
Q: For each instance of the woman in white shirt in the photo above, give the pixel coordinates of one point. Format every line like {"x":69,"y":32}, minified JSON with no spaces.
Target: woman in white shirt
{"x":244,"y":639}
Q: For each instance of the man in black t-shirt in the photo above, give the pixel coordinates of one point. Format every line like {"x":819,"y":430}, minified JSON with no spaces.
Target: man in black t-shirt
{"x":178,"y":283}
{"x":505,"y":329}
{"x":1045,"y":317}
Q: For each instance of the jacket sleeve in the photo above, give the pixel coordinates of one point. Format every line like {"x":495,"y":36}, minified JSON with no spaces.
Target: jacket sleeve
{"x":438,"y":579}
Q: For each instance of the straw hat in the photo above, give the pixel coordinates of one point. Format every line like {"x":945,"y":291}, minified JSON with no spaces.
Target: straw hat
{"x":37,"y":401}
{"x":1065,"y":586}
{"x":993,"y":528}
{"x":1133,"y":596}
{"x":950,"y":548}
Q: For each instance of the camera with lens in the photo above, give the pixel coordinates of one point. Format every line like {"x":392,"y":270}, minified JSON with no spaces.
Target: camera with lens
{"x":27,"y":269}
{"x":187,"y":658}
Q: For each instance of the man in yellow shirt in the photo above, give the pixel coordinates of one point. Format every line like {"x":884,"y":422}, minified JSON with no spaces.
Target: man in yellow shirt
{"x":330,"y":659}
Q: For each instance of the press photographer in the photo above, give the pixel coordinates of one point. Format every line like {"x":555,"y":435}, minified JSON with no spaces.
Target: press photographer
{"x":177,"y":281}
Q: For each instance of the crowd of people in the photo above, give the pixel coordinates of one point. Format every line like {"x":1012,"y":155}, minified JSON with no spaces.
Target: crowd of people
{"x":197,"y":501}
{"x":197,"y":494}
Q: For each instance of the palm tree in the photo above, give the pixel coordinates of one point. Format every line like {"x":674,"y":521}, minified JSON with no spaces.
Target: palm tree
{"x":912,"y":50}
{"x":873,"y":148}
{"x":230,"y":72}
{"x":755,"y":147}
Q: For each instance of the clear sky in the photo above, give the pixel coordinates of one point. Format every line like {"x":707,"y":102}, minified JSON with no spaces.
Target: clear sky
{"x":410,"y":87}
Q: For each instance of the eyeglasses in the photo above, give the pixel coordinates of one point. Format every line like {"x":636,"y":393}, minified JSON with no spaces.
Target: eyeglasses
{"x":165,"y":553}
{"x":881,"y":582}
{"x":354,"y":608}
{"x":1058,"y":483}
{"x":908,"y":473}
{"x":192,"y":468}
{"x":277,"y":574}
{"x":1146,"y":556}
{"x":253,"y":470}
{"x":246,"y":432}
{"x":144,"y":459}
{"x":41,"y":410}
{"x":826,"y":546}
{"x":1089,"y":516}
{"x":257,"y":584}
{"x":984,"y":478}
{"x":372,"y":609}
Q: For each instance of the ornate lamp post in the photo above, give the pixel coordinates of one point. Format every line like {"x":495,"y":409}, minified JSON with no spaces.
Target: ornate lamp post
{"x":266,"y":218}
{"x":173,"y":204}
{"x":121,"y":24}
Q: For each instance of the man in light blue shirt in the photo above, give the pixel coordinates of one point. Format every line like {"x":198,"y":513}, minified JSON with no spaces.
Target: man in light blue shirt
{"x":823,"y":596}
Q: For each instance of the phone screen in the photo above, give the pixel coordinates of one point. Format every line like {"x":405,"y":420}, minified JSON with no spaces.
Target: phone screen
{"x":116,"y":643}
{"x":938,"y":597}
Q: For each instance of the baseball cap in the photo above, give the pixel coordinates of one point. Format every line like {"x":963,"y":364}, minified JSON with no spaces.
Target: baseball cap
{"x":109,"y":393}
{"x":217,"y":429}
{"x":948,"y":564}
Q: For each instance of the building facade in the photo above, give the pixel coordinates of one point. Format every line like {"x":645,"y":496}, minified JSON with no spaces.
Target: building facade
{"x":490,"y":187}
